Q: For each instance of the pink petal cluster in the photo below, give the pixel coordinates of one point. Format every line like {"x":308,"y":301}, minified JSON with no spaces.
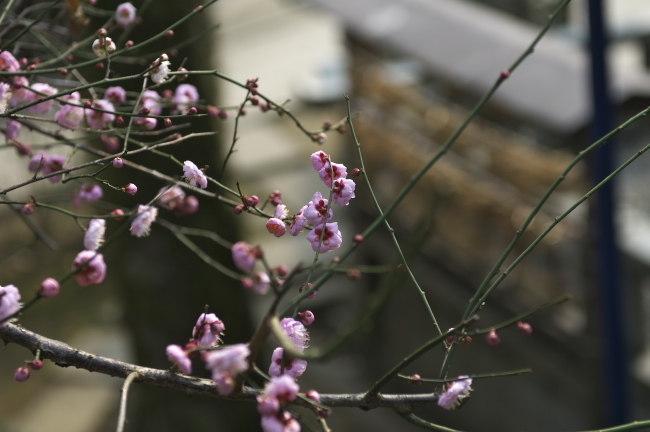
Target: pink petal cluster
{"x":141,"y":225}
{"x":151,"y":100}
{"x":343,"y":191}
{"x":20,"y":94}
{"x":298,"y":222}
{"x":9,"y":302}
{"x":8,"y":62}
{"x":207,"y":330}
{"x":94,"y":268}
{"x":296,"y":332}
{"x":70,"y":116}
{"x":276,"y":227}
{"x":225,"y":364}
{"x":244,"y":256}
{"x":89,"y":192}
{"x":173,"y":198}
{"x":185,"y":96}
{"x":98,"y":119}
{"x":104,"y":46}
{"x":160,"y":72}
{"x":13,"y":130}
{"x":455,"y":393}
{"x":47,"y":164}
{"x":278,"y":392}
{"x":125,"y":14}
{"x":332,"y":237}
{"x":261,"y":282}
{"x":293,"y":367}
{"x":45,"y":89}
{"x":116,"y":95}
{"x":5,"y":96}
{"x":194,"y":175}
{"x":94,"y":237}
{"x":315,"y":210}
{"x":177,"y":355}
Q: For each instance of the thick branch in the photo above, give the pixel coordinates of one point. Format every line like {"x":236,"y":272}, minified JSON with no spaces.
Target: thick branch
{"x":64,"y":355}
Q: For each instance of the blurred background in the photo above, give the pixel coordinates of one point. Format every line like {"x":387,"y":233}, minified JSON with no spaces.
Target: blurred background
{"x":413,"y":70}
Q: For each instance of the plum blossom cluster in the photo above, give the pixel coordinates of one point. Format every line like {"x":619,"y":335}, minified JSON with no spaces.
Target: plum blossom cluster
{"x":225,"y":363}
{"x":283,"y":363}
{"x":206,"y":334}
{"x":278,"y":392}
{"x":9,"y":302}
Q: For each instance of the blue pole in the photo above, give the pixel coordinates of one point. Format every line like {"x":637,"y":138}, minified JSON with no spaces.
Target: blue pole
{"x":608,"y":258}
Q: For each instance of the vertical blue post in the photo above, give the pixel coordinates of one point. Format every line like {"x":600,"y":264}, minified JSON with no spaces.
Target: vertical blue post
{"x":608,"y":260}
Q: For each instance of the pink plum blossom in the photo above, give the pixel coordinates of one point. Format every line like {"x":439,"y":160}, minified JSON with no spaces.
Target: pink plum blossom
{"x":45,"y":89}
{"x":267,"y":406}
{"x":282,"y":422}
{"x":185,"y":96}
{"x":94,"y":268}
{"x":146,"y":123}
{"x":151,"y":100}
{"x":244,"y":256}
{"x":261,"y":282}
{"x":207,"y":330}
{"x":141,"y":225}
{"x":283,"y":388}
{"x":316,"y":209}
{"x":276,"y":227}
{"x":331,"y":239}
{"x":116,"y":95}
{"x":5,"y":96}
{"x":99,"y":119}
{"x":20,"y":94}
{"x":325,"y":173}
{"x":89,"y":192}
{"x":298,"y":222}
{"x":170,"y":197}
{"x":94,"y":237}
{"x":177,"y":355}
{"x":70,"y":116}
{"x":13,"y":130}
{"x":293,"y":367}
{"x":297,"y":332}
{"x":343,"y":191}
{"x":319,"y":159}
{"x":225,"y":364}
{"x":47,"y":164}
{"x":125,"y":14}
{"x":8,"y":62}
{"x":194,"y":175}
{"x":455,"y":393}
{"x":281,"y":211}
{"x":9,"y":302}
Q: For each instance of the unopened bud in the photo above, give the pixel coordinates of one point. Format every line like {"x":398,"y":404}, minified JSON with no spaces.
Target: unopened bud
{"x":119,"y":214}
{"x":524,"y":328}
{"x":144,"y":111}
{"x":129,"y":44}
{"x":167,"y":122}
{"x":416,"y":380}
{"x":119,"y":121}
{"x":36,"y":364}
{"x":493,"y":338}
{"x":28,"y":209}
{"x":169,"y":33}
{"x":356,"y":172}
{"x":22,"y":373}
{"x":306,"y":317}
{"x":192,"y":111}
{"x":239,"y":208}
{"x":358,"y":239}
{"x":313,"y":395}
{"x":130,"y":189}
{"x":118,"y":162}
{"x":49,"y":288}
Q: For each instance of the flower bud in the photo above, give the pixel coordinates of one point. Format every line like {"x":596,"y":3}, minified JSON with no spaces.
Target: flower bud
{"x":37,"y":364}
{"x":313,"y":395}
{"x":169,"y":33}
{"x":118,"y":162}
{"x":356,"y":172}
{"x":22,"y":373}
{"x":416,"y":380}
{"x":320,"y":138}
{"x":358,"y":239}
{"x":192,"y":111}
{"x":239,"y":208}
{"x":167,"y":122}
{"x":119,"y":121}
{"x":524,"y":328}
{"x":130,"y":189}
{"x":223,"y":114}
{"x":28,"y":209}
{"x":49,"y":288}
{"x":144,"y":111}
{"x":119,"y":213}
{"x":306,"y":317}
{"x":493,"y":338}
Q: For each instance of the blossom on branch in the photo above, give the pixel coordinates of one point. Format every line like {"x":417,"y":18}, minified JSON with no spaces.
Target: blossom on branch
{"x":343,"y":191}
{"x":455,"y":393}
{"x":276,"y":227}
{"x":177,"y":355}
{"x":92,"y":265}
{"x":102,"y":47}
{"x":125,"y":14}
{"x":225,"y":364}
{"x":185,"y":96}
{"x":8,"y":62}
{"x":332,"y":238}
{"x":194,"y":175}
{"x":141,"y":225}
{"x":43,"y":107}
{"x":161,"y":70}
{"x":89,"y":192}
{"x":9,"y":302}
{"x":70,"y":116}
{"x":244,"y":256}
{"x":316,"y":210}
{"x":294,"y":367}
{"x":47,"y":164}
{"x":99,"y":119}
{"x":207,"y":330}
{"x":296,"y":332}
{"x":94,"y":237}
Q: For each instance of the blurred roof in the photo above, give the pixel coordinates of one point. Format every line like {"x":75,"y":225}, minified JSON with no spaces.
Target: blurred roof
{"x":468,"y":45}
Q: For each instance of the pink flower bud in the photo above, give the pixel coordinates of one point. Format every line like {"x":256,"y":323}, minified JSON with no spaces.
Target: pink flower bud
{"x":22,"y":373}
{"x":327,"y":124}
{"x":130,"y":189}
{"x":144,"y":111}
{"x":49,"y":288}
{"x":313,"y":395}
{"x":192,"y":111}
{"x":37,"y":364}
{"x":118,"y":162}
{"x":119,"y":122}
{"x":524,"y":328}
{"x":320,"y":138}
{"x":167,"y":122}
{"x":356,"y":172}
{"x":169,"y":33}
{"x":306,"y":317}
{"x":28,"y":209}
{"x":276,"y":227}
{"x":223,"y":114}
{"x":358,"y":239}
{"x":212,"y":111}
{"x":118,"y":213}
{"x":493,"y":338}
{"x":415,"y":380}
{"x":239,"y":208}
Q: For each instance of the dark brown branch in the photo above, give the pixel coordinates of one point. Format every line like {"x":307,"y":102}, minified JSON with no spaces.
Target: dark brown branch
{"x":64,"y":355}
